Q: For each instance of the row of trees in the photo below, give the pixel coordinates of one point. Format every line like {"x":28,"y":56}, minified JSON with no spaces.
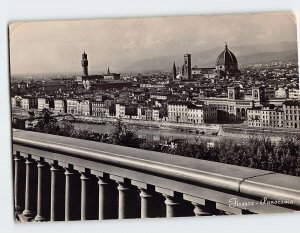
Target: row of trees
{"x":255,"y":152}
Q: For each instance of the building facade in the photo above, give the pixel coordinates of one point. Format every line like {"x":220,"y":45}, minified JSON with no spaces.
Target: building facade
{"x":98,"y":109}
{"x":208,"y":73}
{"x":42,"y":103}
{"x":59,"y":106}
{"x":271,"y":116}
{"x":33,"y":102}
{"x":232,"y":108}
{"x":72,"y":106}
{"x":25,"y":103}
{"x":120,"y":110}
{"x":254,"y":117}
{"x":84,"y":108}
{"x":291,"y":109}
{"x":185,"y":112}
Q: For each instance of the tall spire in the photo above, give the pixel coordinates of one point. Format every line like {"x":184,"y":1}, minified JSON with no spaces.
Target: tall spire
{"x":226,"y":46}
{"x":174,"y":71}
{"x":108,"y":71}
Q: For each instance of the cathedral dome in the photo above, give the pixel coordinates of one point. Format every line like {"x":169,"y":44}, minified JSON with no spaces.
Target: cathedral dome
{"x":227,"y":58}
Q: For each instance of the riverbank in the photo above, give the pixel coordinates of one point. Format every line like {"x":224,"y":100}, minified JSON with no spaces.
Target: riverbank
{"x":209,"y":128}
{"x":181,"y":130}
{"x":213,"y":132}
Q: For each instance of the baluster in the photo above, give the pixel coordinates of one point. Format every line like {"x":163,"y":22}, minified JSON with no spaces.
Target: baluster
{"x":123,"y":200}
{"x":210,"y":207}
{"x":30,"y":197}
{"x":127,"y":200}
{"x":89,"y":196}
{"x":18,"y":184}
{"x":106,"y":199}
{"x":41,"y":192}
{"x":147,"y":202}
{"x":200,"y":210}
{"x":72,"y":194}
{"x":173,"y":206}
{"x":69,"y":173}
{"x":84,"y":180}
{"x":54,"y":192}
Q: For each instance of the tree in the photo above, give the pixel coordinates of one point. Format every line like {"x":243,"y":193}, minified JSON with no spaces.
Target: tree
{"x":47,"y":123}
{"x":67,"y":129}
{"x":120,"y":135}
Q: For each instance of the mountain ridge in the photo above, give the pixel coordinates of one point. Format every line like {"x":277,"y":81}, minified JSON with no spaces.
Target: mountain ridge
{"x":249,"y":54}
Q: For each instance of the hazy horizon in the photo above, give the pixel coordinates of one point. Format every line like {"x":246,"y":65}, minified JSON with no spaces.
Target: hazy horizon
{"x":56,"y":46}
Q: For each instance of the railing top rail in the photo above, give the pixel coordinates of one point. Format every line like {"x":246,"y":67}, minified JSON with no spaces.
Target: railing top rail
{"x":242,"y":180}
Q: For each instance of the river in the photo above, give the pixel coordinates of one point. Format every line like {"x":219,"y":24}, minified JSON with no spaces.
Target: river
{"x":148,"y":133}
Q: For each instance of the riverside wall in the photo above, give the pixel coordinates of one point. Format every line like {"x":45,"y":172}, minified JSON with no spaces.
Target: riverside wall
{"x":208,"y":128}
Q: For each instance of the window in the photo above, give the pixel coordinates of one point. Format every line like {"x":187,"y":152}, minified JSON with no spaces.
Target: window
{"x":255,"y":94}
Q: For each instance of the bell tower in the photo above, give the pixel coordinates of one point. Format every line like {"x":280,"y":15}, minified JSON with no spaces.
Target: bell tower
{"x":174,"y":72}
{"x":233,"y":92}
{"x":258,"y":94}
{"x":187,"y":66}
{"x":84,"y":63}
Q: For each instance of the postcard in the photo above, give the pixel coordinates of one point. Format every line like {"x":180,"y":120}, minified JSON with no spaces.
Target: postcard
{"x":155,"y":117}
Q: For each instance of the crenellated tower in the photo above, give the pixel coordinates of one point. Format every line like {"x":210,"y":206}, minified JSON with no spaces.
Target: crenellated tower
{"x":85,"y":63}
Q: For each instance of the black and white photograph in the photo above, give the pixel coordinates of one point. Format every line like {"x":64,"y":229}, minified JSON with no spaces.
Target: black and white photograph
{"x":155,"y":117}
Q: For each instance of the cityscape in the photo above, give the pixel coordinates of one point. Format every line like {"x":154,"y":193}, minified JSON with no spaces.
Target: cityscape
{"x":160,"y":141}
{"x":261,"y":95}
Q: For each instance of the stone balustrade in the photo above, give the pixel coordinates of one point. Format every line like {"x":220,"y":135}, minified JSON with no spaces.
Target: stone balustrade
{"x":62,"y":179}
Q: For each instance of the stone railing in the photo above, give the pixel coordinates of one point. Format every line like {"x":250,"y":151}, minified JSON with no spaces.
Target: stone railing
{"x":59,"y":178}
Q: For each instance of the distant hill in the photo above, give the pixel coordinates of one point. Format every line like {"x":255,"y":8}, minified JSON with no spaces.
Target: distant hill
{"x":247,"y":54}
{"x":290,"y":55}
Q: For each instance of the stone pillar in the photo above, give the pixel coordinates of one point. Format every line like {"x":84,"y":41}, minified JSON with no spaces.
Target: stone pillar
{"x":200,"y":210}
{"x":124,"y":192}
{"x":105,"y":198}
{"x":173,"y":206}
{"x":127,"y":201}
{"x":30,"y":196}
{"x":147,"y":203}
{"x":41,"y":192}
{"x":17,"y":184}
{"x":85,"y":179}
{"x":89,"y":199}
{"x":54,"y":193}
{"x":69,"y":176}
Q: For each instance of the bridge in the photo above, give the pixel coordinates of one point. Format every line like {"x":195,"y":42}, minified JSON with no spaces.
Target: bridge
{"x":61,"y":179}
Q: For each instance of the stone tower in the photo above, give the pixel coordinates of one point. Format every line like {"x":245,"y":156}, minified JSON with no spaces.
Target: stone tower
{"x":258,"y":94}
{"x":84,"y":63}
{"x":187,"y":66}
{"x":233,"y":92}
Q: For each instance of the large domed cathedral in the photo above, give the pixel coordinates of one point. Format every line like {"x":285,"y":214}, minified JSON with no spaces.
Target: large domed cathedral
{"x":227,"y":65}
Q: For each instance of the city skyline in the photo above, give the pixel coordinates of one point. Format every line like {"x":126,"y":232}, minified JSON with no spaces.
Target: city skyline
{"x":120,"y":43}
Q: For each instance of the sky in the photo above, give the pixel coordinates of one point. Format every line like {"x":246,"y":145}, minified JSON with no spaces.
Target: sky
{"x":56,"y":46}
